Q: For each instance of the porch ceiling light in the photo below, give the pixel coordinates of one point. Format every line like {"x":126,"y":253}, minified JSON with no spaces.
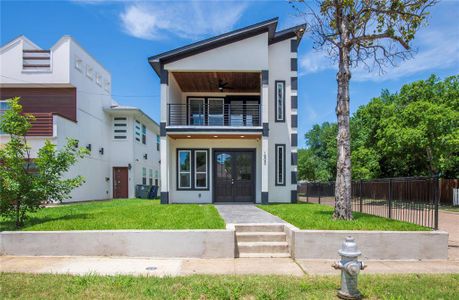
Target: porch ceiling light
{"x":215,"y":136}
{"x":188,"y":136}
{"x":242,"y":136}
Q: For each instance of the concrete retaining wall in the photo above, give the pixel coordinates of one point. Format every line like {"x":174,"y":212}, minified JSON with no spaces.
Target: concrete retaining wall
{"x":385,"y":245}
{"x":142,"y":243}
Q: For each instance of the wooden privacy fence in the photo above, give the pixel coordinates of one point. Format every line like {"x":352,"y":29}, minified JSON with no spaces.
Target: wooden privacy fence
{"x":410,"y":199}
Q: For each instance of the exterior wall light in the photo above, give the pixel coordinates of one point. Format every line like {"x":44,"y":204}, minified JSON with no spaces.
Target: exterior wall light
{"x":145,"y":156}
{"x":88,"y":146}
{"x":101,"y":151}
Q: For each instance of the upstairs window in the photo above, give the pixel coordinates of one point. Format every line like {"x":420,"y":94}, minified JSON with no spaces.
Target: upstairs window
{"x":137,"y":129}
{"x":120,"y":128}
{"x":158,"y":142}
{"x":144,"y":134}
{"x":280,"y":101}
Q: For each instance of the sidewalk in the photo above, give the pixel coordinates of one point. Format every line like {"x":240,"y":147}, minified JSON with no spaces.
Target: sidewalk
{"x":182,"y":267}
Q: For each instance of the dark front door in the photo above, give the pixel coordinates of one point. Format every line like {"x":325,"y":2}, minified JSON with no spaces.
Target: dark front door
{"x":120,"y":182}
{"x":234,"y":176}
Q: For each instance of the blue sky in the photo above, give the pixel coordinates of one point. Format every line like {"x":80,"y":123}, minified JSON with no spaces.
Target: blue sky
{"x":123,"y":34}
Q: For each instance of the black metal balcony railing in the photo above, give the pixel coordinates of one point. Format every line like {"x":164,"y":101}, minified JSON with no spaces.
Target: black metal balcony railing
{"x":247,"y":115}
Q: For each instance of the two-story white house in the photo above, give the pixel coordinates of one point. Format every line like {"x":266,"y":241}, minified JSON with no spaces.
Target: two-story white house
{"x":69,"y":93}
{"x":229,"y":117}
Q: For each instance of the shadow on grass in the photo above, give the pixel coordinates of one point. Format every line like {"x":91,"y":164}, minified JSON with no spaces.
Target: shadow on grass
{"x":8,"y":225}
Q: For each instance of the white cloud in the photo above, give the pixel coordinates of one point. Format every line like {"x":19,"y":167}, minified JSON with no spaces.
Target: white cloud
{"x":158,"y":20}
{"x":437,"y":49}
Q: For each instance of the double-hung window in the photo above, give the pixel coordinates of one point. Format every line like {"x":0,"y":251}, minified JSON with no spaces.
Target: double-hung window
{"x":144,"y":176}
{"x":200,"y":169}
{"x":280,"y":164}
{"x":280,"y":101}
{"x":184,"y":169}
{"x":192,"y":169}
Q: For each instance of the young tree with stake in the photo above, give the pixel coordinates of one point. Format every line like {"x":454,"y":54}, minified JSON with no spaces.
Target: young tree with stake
{"x":375,"y":33}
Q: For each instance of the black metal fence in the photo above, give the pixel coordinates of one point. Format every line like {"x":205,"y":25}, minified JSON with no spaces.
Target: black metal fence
{"x":410,"y":199}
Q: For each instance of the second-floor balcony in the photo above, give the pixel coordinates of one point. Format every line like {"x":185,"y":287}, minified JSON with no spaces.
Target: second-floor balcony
{"x":214,"y":115}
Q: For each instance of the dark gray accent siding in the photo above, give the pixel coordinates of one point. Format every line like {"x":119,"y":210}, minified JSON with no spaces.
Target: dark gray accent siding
{"x":294,"y":180}
{"x":294,"y":140}
{"x":264,"y":197}
{"x":294,"y":83}
{"x":294,"y":158}
{"x":162,"y":129}
{"x":265,"y":129}
{"x":293,"y":64}
{"x":265,"y":77}
{"x":293,"y":196}
{"x":294,"y":100}
{"x":164,"y":198}
{"x":294,"y":121}
{"x":164,"y":77}
{"x":293,"y":45}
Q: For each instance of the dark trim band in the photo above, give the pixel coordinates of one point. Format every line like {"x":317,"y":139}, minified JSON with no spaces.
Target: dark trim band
{"x":294,"y":140}
{"x":294,"y":83}
{"x":164,"y":76}
{"x":162,"y":129}
{"x":294,"y":100}
{"x":294,"y":158}
{"x":294,"y":179}
{"x":265,"y":129}
{"x":264,"y":197}
{"x":164,"y":198}
{"x":264,"y":77}
{"x":293,"y":196}
{"x":293,"y":45}
{"x":294,"y":121}
{"x":293,"y":64}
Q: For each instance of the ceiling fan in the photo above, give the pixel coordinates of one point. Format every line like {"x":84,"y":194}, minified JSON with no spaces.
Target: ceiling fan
{"x":223,"y":85}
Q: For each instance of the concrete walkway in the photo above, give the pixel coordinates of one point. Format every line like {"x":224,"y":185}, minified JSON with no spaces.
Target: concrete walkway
{"x":245,"y":213}
{"x":449,"y":221}
{"x":79,"y":265}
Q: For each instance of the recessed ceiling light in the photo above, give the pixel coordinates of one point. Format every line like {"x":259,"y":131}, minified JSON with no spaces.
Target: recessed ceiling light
{"x":188,"y":136}
{"x":242,"y":136}
{"x":215,"y":135}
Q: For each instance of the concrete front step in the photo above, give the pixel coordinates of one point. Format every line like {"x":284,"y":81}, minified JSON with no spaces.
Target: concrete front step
{"x":261,"y":236}
{"x":260,"y":228}
{"x":262,"y":247}
{"x":263,"y":255}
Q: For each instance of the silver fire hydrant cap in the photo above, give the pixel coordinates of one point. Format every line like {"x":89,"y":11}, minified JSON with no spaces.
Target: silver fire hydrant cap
{"x":349,"y":248}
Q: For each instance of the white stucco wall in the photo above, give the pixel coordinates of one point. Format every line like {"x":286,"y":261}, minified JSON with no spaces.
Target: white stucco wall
{"x":250,"y":54}
{"x":280,"y":132}
{"x":203,"y":196}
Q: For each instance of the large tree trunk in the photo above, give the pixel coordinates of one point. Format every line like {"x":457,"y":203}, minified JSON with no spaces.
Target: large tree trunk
{"x":343,"y":208}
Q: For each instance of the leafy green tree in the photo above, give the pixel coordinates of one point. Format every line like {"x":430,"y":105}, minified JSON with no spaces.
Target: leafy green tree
{"x":413,"y":132}
{"x":25,"y":183}
{"x":366,"y":32}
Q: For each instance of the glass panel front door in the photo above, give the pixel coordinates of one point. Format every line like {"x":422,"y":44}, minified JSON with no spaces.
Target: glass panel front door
{"x":234,"y":176}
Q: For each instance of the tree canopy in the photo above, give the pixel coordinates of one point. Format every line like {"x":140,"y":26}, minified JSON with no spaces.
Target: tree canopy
{"x":413,"y":132}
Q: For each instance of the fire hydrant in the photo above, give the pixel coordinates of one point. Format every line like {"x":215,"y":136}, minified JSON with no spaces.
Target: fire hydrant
{"x":350,"y":268}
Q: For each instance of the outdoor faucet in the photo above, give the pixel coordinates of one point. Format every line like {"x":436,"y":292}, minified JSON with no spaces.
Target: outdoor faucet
{"x":350,"y":268}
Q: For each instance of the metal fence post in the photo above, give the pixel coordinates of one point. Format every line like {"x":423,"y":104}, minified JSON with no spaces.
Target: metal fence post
{"x":437,"y":200}
{"x":360,"y":196}
{"x":390,"y":198}
{"x":307,"y":192}
{"x":320,"y":188}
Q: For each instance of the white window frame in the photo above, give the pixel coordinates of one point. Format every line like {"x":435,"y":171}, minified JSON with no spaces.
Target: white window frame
{"x":206,"y":172}
{"x":280,"y":167}
{"x":180,"y":172}
{"x":280,"y":107}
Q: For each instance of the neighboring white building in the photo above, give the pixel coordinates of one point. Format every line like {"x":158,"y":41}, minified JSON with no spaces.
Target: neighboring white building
{"x":229,"y":117}
{"x":69,"y":92}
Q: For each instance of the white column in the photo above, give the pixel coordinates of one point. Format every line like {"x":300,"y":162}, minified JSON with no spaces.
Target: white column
{"x":265,"y":138}
{"x":165,"y":148}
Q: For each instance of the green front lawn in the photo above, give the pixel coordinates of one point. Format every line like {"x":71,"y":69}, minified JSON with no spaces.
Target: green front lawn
{"x":450,"y":208}
{"x":28,"y":286}
{"x":122,"y":214}
{"x":316,"y":216}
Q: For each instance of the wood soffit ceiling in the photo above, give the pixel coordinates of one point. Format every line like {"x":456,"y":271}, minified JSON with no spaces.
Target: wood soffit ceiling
{"x":240,"y":82}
